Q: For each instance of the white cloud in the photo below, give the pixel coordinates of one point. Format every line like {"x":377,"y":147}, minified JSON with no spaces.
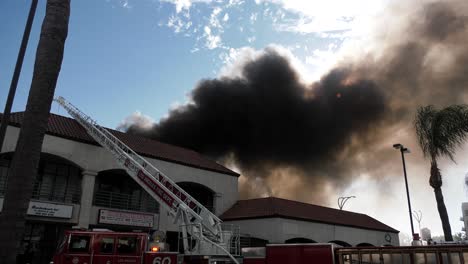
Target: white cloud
{"x":120,"y":3}
{"x":321,"y":60}
{"x":226,"y":17}
{"x":213,"y":42}
{"x":184,"y":4}
{"x":125,"y":4}
{"x":235,"y":3}
{"x":136,"y":119}
{"x":214,"y":21}
{"x":323,"y":16}
{"x":332,"y":8}
{"x":207,"y":30}
{"x":178,"y":24}
{"x":235,"y":59}
{"x":253,"y":18}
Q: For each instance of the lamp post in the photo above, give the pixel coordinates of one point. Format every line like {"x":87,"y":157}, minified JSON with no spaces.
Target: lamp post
{"x":343,"y":199}
{"x":404,"y":150}
{"x":14,"y":81}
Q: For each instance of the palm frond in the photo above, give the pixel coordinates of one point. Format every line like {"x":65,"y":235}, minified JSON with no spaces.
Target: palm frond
{"x":441,"y":132}
{"x":450,"y":129}
{"x":423,"y":124}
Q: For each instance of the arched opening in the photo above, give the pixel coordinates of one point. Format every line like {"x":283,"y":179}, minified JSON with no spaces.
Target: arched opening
{"x":299,"y":240}
{"x":364,"y":244}
{"x":250,"y":241}
{"x":340,"y":243}
{"x":116,"y":189}
{"x":57,"y":179}
{"x":201,"y":193}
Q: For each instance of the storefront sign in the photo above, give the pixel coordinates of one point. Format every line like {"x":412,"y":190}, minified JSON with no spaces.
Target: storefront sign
{"x":125,"y":218}
{"x":50,"y":210}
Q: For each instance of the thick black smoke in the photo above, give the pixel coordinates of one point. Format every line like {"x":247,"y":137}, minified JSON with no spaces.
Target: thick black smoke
{"x":270,"y":117}
{"x":271,"y":124}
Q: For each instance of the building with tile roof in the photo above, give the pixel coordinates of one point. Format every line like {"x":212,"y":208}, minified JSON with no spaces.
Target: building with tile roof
{"x":80,"y":184}
{"x":284,"y":221}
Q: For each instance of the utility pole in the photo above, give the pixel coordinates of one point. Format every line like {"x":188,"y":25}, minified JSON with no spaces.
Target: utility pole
{"x":14,"y":81}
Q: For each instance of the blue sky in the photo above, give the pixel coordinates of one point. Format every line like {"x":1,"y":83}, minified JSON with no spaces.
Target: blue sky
{"x":146,"y":55}
{"x":123,"y":56}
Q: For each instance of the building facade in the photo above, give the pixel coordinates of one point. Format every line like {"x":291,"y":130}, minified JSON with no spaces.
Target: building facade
{"x":464,"y":217}
{"x":79,"y":184}
{"x":275,"y":220}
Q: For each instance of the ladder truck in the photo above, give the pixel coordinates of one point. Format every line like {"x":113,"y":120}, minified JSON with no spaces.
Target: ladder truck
{"x":202,"y":232}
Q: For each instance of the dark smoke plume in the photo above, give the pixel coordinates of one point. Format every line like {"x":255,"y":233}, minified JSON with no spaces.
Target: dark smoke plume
{"x":269,"y":117}
{"x":272,"y":126}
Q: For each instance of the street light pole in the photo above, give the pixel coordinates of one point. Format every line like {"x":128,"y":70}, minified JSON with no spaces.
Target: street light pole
{"x":14,"y":81}
{"x":342,"y":200}
{"x":404,"y":150}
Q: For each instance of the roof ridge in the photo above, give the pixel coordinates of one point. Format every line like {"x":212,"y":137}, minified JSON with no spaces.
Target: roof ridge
{"x":166,"y":151}
{"x":273,"y":207}
{"x":137,"y":136}
{"x":322,"y":206}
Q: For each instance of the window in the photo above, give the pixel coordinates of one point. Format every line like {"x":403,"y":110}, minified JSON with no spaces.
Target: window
{"x":126,"y":245}
{"x":57,"y":181}
{"x":107,"y":245}
{"x":4,"y":167}
{"x":79,"y":243}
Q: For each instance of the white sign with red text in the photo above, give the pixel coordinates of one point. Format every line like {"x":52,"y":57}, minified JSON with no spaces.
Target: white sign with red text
{"x":125,"y":218}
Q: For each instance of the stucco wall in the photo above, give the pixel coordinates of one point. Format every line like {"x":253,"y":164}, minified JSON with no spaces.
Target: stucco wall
{"x":93,"y":158}
{"x":278,"y":230}
{"x":464,"y":208}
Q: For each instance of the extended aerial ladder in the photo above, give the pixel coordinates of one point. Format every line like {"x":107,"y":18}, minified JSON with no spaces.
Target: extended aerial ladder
{"x":201,"y":230}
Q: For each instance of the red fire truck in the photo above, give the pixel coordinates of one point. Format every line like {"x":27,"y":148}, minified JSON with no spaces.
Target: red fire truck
{"x":104,"y":247}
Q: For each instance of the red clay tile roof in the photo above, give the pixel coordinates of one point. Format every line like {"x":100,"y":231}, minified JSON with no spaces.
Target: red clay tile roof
{"x":276,"y":207}
{"x":69,"y":128}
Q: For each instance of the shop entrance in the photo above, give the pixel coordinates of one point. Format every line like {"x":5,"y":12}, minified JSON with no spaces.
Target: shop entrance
{"x":40,"y":241}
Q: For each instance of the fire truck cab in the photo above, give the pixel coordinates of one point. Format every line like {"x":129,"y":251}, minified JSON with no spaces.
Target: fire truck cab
{"x":107,"y":247}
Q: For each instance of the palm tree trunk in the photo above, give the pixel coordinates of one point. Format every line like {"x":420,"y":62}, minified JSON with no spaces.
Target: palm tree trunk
{"x":436,"y":182}
{"x":443,"y":214}
{"x":23,"y":170}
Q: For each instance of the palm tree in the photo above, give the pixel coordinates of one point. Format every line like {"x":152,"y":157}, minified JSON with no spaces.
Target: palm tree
{"x":440,"y":132}
{"x":49,"y":55}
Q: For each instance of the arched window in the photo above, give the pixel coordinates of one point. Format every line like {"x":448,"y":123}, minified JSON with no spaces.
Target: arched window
{"x":340,"y":243}
{"x":364,"y":244}
{"x":299,"y":240}
{"x":116,"y":189}
{"x":201,"y":193}
{"x":57,"y":179}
